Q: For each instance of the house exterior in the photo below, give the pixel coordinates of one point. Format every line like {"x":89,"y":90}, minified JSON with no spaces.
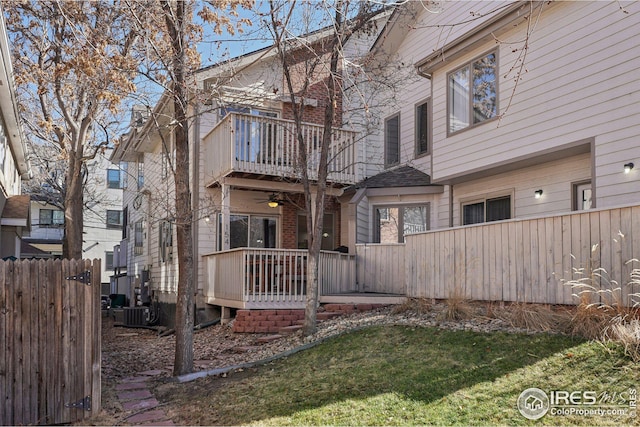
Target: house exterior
{"x":14,"y":166}
{"x":524,"y":115}
{"x":528,"y":109}
{"x":503,"y":111}
{"x":246,"y":177}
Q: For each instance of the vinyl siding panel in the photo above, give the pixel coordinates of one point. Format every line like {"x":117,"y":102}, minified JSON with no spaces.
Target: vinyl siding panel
{"x":362,"y":221}
{"x":580,"y":82}
{"x":554,"y":178}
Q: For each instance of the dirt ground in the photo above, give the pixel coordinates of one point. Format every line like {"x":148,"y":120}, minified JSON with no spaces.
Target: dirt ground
{"x":128,"y":351}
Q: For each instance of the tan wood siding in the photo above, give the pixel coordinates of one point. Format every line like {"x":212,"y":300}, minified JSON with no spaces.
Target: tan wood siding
{"x":523,"y":260}
{"x":381,"y":268}
{"x":581,"y":82}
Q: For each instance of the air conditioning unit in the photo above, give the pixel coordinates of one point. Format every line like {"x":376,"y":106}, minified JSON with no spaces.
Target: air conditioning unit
{"x":135,"y":316}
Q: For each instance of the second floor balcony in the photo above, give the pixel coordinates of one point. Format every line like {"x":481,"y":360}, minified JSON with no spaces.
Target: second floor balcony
{"x":265,"y":146}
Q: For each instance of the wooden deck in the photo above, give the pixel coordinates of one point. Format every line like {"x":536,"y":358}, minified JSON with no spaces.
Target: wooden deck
{"x":363,"y":298}
{"x":250,"y":278}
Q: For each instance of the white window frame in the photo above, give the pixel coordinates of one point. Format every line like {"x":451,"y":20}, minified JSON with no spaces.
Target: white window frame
{"x":484,"y":199}
{"x":470,"y":94}
{"x":426,"y":104}
{"x":575,"y":195}
{"x":165,"y":240}
{"x":378,"y":219}
{"x":138,"y":238}
{"x":387,"y":163}
{"x":111,"y":225}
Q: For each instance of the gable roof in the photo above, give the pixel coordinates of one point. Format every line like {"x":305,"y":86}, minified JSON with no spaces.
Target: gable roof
{"x":403,"y":176}
{"x":16,"y":211}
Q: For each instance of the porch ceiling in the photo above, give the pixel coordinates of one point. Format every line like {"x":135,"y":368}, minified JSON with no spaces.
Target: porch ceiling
{"x":269,"y":185}
{"x":567,"y":150}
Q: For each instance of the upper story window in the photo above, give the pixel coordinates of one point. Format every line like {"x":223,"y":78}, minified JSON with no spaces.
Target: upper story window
{"x":125,"y":221}
{"x":472,"y":93}
{"x":140,"y":172}
{"x":164,"y":165}
{"x":165,"y":241}
{"x":495,"y":209}
{"x":392,"y":140}
{"x":138,"y":241}
{"x":423,"y":119}
{"x":51,"y":218}
{"x":108,"y":260}
{"x":114,"y":178}
{"x":114,"y":219}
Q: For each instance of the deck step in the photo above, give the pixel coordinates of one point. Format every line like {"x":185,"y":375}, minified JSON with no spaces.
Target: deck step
{"x":269,"y":338}
{"x":326,"y":315}
{"x":286,"y":330}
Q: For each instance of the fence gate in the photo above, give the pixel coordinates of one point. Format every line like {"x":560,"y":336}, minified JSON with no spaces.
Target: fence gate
{"x":50,"y":357}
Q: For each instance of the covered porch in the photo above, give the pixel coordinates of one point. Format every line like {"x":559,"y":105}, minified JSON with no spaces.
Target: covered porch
{"x":255,"y":278}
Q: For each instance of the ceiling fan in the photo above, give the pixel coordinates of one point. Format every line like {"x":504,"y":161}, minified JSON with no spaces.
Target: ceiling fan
{"x":274,"y":200}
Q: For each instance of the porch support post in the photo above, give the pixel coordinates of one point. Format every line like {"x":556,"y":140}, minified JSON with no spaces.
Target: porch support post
{"x":226,"y":213}
{"x":225,"y":315}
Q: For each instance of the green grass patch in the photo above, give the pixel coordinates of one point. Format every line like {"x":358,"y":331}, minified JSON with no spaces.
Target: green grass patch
{"x":392,"y":375}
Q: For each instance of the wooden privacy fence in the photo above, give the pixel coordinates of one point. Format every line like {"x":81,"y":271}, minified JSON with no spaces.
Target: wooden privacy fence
{"x":525,"y":260}
{"x":50,"y":329}
{"x":381,"y":268}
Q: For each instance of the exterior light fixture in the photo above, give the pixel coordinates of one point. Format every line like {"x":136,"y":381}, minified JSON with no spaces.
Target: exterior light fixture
{"x":628,"y":167}
{"x":538,"y":194}
{"x":207,"y":218}
{"x":273,"y":201}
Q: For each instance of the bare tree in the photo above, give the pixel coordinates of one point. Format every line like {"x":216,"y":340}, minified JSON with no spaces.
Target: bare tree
{"x":170,"y":36}
{"x":304,"y":63}
{"x":74,"y":63}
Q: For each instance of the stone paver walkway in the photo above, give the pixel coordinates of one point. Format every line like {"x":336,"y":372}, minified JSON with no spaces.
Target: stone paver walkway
{"x":135,"y":396}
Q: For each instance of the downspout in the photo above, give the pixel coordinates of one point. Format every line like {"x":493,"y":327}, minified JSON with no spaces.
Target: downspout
{"x":450,"y":205}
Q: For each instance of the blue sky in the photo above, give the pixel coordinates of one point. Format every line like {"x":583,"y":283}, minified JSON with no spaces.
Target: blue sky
{"x":215,"y":48}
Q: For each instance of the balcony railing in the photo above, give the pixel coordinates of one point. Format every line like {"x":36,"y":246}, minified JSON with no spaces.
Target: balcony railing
{"x":269,"y":146}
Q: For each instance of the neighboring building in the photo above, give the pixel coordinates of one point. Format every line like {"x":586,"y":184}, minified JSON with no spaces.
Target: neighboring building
{"x":103,"y":219}
{"x":488,"y":149}
{"x":14,"y":207}
{"x":44,"y":240}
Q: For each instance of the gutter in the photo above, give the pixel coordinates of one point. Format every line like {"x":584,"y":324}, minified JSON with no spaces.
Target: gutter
{"x":486,"y":31}
{"x":9,"y":104}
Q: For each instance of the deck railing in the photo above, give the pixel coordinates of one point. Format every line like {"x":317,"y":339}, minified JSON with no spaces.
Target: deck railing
{"x":269,"y":146}
{"x":261,"y":278}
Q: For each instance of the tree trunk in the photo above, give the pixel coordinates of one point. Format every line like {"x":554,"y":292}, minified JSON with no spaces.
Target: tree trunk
{"x":313,"y":291}
{"x":73,"y":209}
{"x":176,"y":25}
